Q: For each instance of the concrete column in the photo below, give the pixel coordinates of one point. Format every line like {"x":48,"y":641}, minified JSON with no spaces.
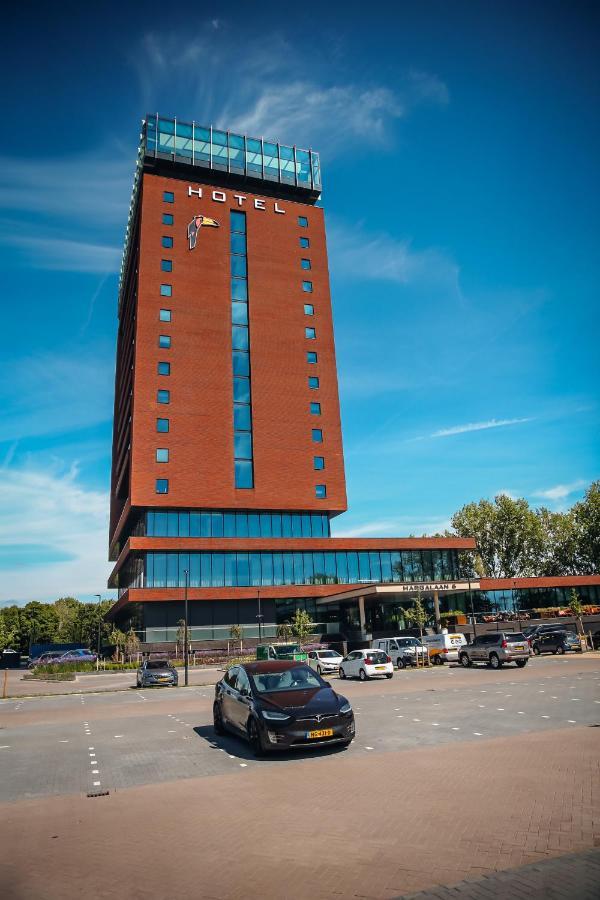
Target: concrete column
{"x":436,"y":611}
{"x":361,"y":614}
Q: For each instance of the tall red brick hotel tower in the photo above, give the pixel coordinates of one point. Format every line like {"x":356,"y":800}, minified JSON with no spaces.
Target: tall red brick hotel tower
{"x":227,"y":447}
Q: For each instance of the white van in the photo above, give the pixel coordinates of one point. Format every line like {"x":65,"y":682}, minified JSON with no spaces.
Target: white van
{"x":401,"y":650}
{"x":444,"y":647}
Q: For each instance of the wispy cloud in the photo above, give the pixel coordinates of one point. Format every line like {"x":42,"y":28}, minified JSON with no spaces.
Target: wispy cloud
{"x":40,"y":251}
{"x":57,"y":531}
{"x":561,"y":491}
{"x":356,"y":253}
{"x":479,"y":426}
{"x":53,"y":393}
{"x":260,"y":87}
{"x":94,"y":189}
{"x":402,"y":526}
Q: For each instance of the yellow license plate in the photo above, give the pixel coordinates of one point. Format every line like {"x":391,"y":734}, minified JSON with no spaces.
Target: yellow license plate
{"x":520,"y":647}
{"x":379,"y":668}
{"x":324,"y":732}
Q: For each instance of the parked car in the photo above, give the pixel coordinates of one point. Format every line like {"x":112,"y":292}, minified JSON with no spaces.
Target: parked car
{"x":402,"y":650}
{"x":496,"y":649}
{"x":534,"y":631}
{"x":366,"y":664}
{"x":555,"y":642}
{"x":156,"y":671}
{"x":323,"y":661}
{"x":44,"y":659}
{"x":281,"y":705}
{"x":74,"y":656}
{"x":444,"y":647}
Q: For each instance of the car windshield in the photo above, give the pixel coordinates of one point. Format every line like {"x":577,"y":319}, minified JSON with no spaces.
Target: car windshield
{"x":157,"y":664}
{"x":286,"y":648}
{"x":517,"y":636}
{"x":300,"y":678}
{"x":328,"y":654}
{"x":409,"y":642}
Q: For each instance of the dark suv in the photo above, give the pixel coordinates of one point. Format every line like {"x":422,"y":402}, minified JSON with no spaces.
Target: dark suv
{"x":555,"y":642}
{"x":496,"y":649}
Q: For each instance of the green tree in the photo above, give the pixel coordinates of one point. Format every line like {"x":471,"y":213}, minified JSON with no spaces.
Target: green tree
{"x":180,"y":636}
{"x":117,"y":638}
{"x":67,"y":614}
{"x":576,"y":608}
{"x":417,"y":615}
{"x":10,"y":628}
{"x":509,"y":536}
{"x":586,"y":516}
{"x":558,"y":554}
{"x":39,"y":623}
{"x":236,"y":633}
{"x":302,"y":625}
{"x":284,"y":631}
{"x":132,"y":644}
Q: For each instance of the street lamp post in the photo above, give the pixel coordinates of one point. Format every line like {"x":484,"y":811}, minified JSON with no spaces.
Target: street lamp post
{"x":259,"y":617}
{"x":99,"y":596}
{"x":472,"y":610}
{"x":185,"y":626}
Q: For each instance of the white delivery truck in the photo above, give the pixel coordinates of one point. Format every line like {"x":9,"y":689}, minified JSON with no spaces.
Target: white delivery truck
{"x":444,"y":647}
{"x":402,"y":650}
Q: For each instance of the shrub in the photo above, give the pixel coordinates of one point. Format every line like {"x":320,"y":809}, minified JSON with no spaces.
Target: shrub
{"x":64,"y":668}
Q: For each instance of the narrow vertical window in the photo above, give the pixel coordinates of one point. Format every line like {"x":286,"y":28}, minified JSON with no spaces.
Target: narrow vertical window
{"x":240,"y":345}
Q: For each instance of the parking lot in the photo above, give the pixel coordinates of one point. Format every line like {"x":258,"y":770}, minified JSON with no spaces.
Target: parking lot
{"x":453,"y":774}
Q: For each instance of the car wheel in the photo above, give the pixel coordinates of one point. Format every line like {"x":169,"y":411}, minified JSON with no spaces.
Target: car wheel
{"x":362,"y":675}
{"x":521,"y":663}
{"x":342,"y":673}
{"x":400,"y":663}
{"x":465,"y":661}
{"x":560,"y":650}
{"x":319,"y":670}
{"x":254,"y":738}
{"x":536,"y":651}
{"x":389,"y":675}
{"x":495,"y":661}
{"x":218,"y":719}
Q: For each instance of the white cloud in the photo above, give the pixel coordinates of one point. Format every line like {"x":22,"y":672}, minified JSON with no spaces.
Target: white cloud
{"x":53,"y":511}
{"x":394,"y":527}
{"x":94,"y":189}
{"x":560,"y":491}
{"x":356,"y":254}
{"x":43,"y":252}
{"x":478,"y":426}
{"x":55,"y":393}
{"x":260,"y":86}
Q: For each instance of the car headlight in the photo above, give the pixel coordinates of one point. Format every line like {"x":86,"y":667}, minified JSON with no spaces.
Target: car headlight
{"x":345,"y":707}
{"x":274,"y":716}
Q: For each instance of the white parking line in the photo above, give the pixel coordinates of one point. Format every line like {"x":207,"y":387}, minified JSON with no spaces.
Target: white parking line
{"x":520,"y":713}
{"x":571,"y":721}
{"x":416,"y":720}
{"x":544,"y":717}
{"x":455,"y":728}
{"x":96,"y":784}
{"x":118,"y":735}
{"x":478,"y":733}
{"x":368,"y":748}
{"x":5,"y":747}
{"x":243,"y":765}
{"x":500,"y":709}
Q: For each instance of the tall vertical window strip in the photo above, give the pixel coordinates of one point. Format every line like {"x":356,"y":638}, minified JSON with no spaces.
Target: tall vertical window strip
{"x":240,"y":343}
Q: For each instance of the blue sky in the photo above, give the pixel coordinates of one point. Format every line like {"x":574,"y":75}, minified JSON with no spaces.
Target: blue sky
{"x":459,"y":146}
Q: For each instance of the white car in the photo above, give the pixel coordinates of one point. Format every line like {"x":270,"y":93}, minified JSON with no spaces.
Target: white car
{"x":324,"y":661}
{"x":366,"y":664}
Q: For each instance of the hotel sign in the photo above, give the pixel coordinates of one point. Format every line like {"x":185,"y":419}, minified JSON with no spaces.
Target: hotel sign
{"x":440,"y":586}
{"x":240,"y":199}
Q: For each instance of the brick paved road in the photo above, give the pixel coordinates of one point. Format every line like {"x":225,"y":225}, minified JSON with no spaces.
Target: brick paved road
{"x":454,"y":774}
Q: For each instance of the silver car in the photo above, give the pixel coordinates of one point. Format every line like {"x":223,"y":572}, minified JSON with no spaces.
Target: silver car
{"x":496,"y":649}
{"x":156,"y":671}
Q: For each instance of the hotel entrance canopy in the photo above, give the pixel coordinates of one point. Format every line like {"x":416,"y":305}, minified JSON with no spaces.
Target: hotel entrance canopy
{"x":372,"y":590}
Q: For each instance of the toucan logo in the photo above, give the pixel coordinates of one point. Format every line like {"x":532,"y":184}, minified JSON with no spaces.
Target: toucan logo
{"x":195,"y":226}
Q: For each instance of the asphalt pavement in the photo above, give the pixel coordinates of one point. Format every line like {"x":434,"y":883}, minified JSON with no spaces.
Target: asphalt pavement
{"x":102,"y":748}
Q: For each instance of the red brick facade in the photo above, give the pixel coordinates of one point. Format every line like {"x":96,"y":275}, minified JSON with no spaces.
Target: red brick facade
{"x":200,"y":439}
